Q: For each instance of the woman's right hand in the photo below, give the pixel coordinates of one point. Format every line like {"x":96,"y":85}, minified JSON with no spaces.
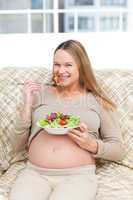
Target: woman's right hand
{"x":30,"y":91}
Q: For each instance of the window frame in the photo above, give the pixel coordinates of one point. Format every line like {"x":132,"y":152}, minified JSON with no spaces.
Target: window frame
{"x":95,"y":10}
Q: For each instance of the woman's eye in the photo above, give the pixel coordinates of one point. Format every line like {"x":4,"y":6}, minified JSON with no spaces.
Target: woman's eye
{"x":56,"y":64}
{"x":69,"y":65}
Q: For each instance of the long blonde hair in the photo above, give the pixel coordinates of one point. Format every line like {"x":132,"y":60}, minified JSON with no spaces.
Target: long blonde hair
{"x":87,"y":78}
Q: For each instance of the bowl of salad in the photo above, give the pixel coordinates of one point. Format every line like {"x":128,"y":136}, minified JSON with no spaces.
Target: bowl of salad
{"x":58,"y":123}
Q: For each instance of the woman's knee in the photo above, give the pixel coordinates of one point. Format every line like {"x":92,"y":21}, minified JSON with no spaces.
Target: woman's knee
{"x":30,"y":185}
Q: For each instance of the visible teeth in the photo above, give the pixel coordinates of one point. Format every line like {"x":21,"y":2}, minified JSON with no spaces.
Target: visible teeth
{"x":64,"y":76}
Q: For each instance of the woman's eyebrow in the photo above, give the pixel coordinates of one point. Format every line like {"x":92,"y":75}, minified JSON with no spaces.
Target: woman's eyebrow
{"x":69,"y":62}
{"x":56,"y":62}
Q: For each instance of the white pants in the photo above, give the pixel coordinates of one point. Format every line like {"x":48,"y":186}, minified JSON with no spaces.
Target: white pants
{"x":36,"y":183}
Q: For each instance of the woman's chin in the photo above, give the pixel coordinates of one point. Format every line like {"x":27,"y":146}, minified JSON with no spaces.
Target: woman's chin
{"x":63,"y":84}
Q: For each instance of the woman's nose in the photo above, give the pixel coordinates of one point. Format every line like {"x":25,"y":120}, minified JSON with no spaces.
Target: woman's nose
{"x":61,"y":69}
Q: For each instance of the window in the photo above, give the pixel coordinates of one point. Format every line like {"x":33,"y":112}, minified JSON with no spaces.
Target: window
{"x":113,"y":2}
{"x":40,"y":16}
{"x":42,"y":23}
{"x":113,"y":23}
{"x":84,"y":2}
{"x":70,"y":27}
{"x":86,"y":24}
{"x":40,"y":4}
{"x":14,"y":4}
{"x":109,"y":23}
{"x":69,"y":24}
{"x":79,"y":2}
{"x":125,"y":22}
{"x":37,"y":23}
{"x":37,"y":4}
{"x":14,"y":23}
{"x":17,"y":19}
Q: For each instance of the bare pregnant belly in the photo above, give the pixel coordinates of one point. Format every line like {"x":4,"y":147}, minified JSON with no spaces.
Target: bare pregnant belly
{"x":57,"y":151}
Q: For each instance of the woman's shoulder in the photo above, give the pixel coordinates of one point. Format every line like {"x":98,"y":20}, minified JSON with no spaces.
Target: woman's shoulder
{"x":92,"y":102}
{"x":96,"y":105}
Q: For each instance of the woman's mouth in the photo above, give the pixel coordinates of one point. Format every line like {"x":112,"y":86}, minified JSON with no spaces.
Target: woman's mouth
{"x":63,"y":78}
{"x":60,"y":78}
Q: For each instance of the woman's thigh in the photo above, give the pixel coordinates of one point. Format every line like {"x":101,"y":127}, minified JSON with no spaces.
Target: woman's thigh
{"x":30,"y":185}
{"x":77,"y":187}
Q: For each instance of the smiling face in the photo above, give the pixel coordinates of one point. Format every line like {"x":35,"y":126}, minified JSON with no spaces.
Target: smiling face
{"x":65,"y":69}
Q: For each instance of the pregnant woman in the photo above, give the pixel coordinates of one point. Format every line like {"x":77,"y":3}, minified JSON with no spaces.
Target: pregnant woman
{"x":62,"y":167}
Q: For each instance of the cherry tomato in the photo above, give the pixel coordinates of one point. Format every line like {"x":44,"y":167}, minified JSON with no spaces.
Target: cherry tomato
{"x":63,"y":122}
{"x":49,"y":117}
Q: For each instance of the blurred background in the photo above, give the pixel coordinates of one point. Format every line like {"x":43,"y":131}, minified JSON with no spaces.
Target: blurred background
{"x":30,"y":30}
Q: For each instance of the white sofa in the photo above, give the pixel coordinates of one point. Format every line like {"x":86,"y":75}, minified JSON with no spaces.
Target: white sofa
{"x":115,"y":178}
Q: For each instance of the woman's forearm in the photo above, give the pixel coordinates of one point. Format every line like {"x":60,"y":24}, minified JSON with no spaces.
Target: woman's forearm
{"x":23,"y":117}
{"x":25,"y":114}
{"x":110,"y":150}
{"x":22,"y":123}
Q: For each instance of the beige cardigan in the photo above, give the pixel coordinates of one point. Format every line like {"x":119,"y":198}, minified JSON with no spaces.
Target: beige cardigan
{"x":102,"y":124}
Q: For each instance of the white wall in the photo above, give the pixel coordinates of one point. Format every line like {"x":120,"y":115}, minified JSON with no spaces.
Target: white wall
{"x":106,"y":50}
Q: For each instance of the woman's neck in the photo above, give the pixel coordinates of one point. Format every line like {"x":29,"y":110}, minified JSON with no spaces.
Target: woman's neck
{"x":74,"y":91}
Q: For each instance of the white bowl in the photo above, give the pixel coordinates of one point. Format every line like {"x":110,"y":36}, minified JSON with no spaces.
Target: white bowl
{"x":56,"y":131}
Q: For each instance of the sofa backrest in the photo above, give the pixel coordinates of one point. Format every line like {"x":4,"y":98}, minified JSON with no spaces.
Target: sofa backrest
{"x":118,"y":84}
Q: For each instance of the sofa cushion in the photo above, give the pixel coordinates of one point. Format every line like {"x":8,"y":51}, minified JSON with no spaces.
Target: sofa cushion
{"x":119,"y":85}
{"x":114,"y":182}
{"x":10,"y":97}
{"x":8,"y":178}
{"x":115,"y":179}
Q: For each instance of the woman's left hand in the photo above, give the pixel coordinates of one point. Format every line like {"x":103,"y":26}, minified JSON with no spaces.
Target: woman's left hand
{"x":81,"y":137}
